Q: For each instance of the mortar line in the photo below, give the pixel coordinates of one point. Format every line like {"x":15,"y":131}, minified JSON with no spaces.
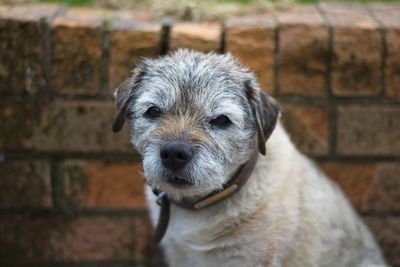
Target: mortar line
{"x":332,"y":103}
{"x":75,"y":212}
{"x":166,"y":25}
{"x":222,"y":48}
{"x":56,"y":185}
{"x":107,"y":263}
{"x":277,"y":58}
{"x":48,"y":50}
{"x":59,"y":156}
{"x":105,"y":60}
{"x":382,"y":34}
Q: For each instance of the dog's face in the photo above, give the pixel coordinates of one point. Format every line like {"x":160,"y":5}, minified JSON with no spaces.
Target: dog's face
{"x":195,"y":119}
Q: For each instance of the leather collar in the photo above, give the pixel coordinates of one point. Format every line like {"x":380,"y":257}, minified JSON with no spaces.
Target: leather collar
{"x":232,"y":186}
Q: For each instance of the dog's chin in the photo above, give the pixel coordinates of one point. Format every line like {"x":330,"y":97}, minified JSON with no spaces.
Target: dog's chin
{"x":178,"y":188}
{"x":190,"y":182}
{"x":179,"y":182}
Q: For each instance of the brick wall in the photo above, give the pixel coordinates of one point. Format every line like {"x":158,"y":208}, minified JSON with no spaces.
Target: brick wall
{"x":71,"y":190}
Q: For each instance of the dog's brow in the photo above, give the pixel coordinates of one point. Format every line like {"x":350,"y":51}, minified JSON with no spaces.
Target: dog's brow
{"x":152,"y":97}
{"x":230,"y":108}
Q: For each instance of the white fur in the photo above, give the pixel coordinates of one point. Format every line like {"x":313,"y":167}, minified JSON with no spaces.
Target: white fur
{"x":287,"y":214}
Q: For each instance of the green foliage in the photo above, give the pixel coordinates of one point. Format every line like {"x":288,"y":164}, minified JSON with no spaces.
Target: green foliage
{"x":87,"y":2}
{"x":69,"y":2}
{"x":235,"y":1}
{"x":348,"y":1}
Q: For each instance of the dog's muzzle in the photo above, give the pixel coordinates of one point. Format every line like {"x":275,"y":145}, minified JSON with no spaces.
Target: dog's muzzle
{"x":175,"y":155}
{"x":232,"y":186}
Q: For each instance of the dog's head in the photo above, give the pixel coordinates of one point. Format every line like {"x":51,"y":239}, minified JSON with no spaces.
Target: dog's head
{"x":194,"y":118}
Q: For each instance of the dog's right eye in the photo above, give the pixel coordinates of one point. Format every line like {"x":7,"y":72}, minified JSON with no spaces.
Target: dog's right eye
{"x":153,"y":112}
{"x":221,"y":121}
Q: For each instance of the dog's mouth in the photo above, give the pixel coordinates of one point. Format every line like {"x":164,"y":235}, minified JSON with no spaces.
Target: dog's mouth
{"x":179,"y":182}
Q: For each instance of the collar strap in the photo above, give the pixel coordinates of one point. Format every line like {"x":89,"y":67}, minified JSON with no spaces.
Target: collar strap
{"x":231,"y":187}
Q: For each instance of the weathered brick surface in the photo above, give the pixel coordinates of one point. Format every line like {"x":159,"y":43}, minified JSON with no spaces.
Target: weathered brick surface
{"x":368,"y":130}
{"x":389,"y":17}
{"x":63,"y":126}
{"x":145,"y":250}
{"x":103,"y":184}
{"x":386,"y":231}
{"x":129,"y":42}
{"x":203,"y":37}
{"x":25,"y":184}
{"x":308,"y":128}
{"x":356,"y":180}
{"x":251,"y":39}
{"x":18,"y":119}
{"x":76,"y":52}
{"x":371,"y":187}
{"x":90,"y":238}
{"x":357,"y":49}
{"x":77,"y":130}
{"x":22,"y":54}
{"x":385,"y":194}
{"x":385,"y":7}
{"x":303,"y":41}
{"x":1,"y":137}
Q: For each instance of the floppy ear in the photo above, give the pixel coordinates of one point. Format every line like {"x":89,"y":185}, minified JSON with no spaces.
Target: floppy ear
{"x":265,"y":110}
{"x":123,"y":94}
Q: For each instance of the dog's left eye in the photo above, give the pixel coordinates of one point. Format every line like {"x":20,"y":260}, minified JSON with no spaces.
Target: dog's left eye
{"x":221,"y":121}
{"x":153,"y":112}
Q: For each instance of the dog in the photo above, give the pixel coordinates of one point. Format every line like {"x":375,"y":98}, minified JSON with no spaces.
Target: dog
{"x":232,"y":189}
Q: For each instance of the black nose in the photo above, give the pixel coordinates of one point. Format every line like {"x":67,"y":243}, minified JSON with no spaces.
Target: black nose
{"x":176,"y":154}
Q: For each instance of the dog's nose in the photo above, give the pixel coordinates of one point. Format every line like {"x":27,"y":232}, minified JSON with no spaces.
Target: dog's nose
{"x":176,"y":154}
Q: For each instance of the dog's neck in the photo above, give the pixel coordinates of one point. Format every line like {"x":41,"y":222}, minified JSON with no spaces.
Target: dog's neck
{"x":231,"y":187}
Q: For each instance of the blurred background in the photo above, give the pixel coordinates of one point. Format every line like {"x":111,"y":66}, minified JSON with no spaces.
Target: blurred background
{"x":71,"y":191}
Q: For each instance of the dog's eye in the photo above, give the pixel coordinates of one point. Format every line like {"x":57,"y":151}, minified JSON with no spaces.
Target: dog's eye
{"x":221,"y":121}
{"x":153,"y":112}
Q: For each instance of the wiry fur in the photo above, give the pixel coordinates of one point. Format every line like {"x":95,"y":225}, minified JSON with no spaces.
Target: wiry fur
{"x":287,"y":214}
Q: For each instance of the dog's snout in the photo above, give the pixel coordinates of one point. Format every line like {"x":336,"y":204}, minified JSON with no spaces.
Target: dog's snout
{"x":176,"y":154}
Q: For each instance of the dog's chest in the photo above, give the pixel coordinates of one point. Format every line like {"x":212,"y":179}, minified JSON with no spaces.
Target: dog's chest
{"x":209,"y":239}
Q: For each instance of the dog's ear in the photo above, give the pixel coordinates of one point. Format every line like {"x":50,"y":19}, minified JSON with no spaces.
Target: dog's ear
{"x":123,"y":94}
{"x":265,"y":110}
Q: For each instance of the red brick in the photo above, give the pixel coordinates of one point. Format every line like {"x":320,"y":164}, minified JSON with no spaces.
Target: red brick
{"x":22,"y":48}
{"x":368,"y":130}
{"x":25,"y":184}
{"x":357,"y":49}
{"x":74,"y":126}
{"x":76,"y":52}
{"x":251,"y":39}
{"x":304,"y":48}
{"x":356,"y":180}
{"x":385,"y":195}
{"x":205,"y":37}
{"x":104,"y":184}
{"x":371,"y":187}
{"x":18,"y":119}
{"x":389,"y":17}
{"x":33,"y":238}
{"x":308,"y":128}
{"x":145,"y":250}
{"x":129,"y":42}
{"x":386,"y":231}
